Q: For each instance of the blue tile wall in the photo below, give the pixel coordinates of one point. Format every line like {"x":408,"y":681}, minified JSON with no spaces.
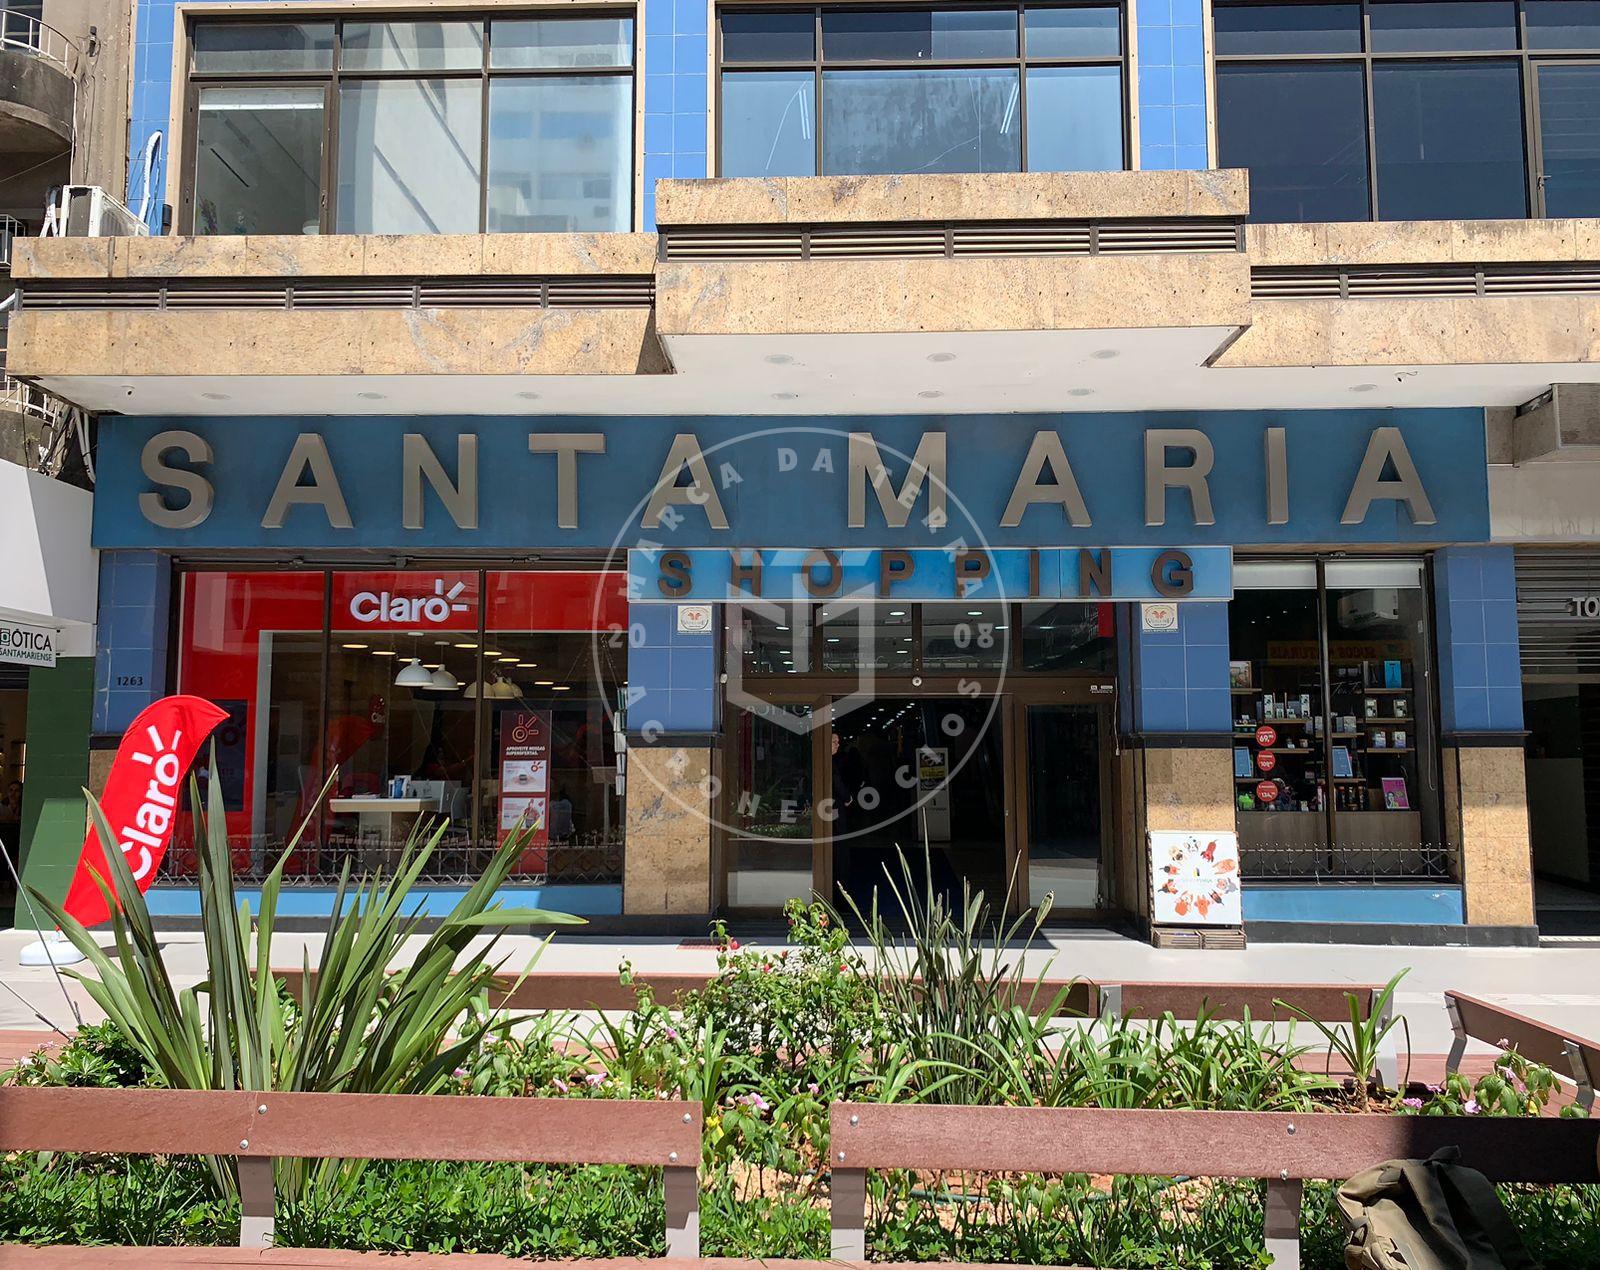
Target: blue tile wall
{"x":152,"y":102}
{"x":1480,"y":663}
{"x":672,"y":678}
{"x":1170,"y":38}
{"x":676,"y":94}
{"x":130,"y":662}
{"x":1182,"y":675}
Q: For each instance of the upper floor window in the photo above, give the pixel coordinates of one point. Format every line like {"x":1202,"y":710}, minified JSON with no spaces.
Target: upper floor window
{"x":507,"y":123}
{"x":1411,"y":109}
{"x":849,"y":91}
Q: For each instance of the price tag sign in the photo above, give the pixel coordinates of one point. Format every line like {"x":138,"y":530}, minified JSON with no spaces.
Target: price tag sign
{"x":1266,"y":760}
{"x":1266,"y":736}
{"x":1267,"y":792}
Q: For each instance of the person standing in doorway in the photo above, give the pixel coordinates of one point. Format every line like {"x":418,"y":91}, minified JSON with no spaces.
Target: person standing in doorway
{"x":847,"y":778}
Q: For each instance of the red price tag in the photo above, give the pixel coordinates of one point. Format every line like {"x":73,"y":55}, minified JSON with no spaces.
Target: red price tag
{"x":1266,"y":760}
{"x":1267,"y":792}
{"x":1266,"y":736}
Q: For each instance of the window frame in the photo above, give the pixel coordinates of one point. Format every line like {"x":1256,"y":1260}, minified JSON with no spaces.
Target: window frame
{"x":1527,"y":58}
{"x":332,"y":78}
{"x":1021,"y":63}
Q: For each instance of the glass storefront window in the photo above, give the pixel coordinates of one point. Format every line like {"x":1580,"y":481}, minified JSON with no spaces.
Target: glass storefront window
{"x":1068,"y":636}
{"x":770,"y":839}
{"x":252,"y":643}
{"x":770,"y":639}
{"x":258,"y":160}
{"x":864,"y":637}
{"x":963,"y":636}
{"x":1332,"y":719}
{"x":426,"y":705}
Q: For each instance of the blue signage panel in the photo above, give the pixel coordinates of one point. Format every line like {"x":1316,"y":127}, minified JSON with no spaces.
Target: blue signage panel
{"x":514,"y":484}
{"x":867,"y":575}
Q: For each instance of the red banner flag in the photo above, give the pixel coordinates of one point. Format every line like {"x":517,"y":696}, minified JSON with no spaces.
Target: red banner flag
{"x":142,"y":796}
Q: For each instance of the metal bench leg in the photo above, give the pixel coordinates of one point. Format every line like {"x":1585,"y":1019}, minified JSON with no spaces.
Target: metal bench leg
{"x":1458,"y":1047}
{"x":257,"y":1199}
{"x":1283,"y":1222}
{"x":1580,"y":1074}
{"x":1111,"y":1002}
{"x":849,"y":1214}
{"x":683,"y":1212}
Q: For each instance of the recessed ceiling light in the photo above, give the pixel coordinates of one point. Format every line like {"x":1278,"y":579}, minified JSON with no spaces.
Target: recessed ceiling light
{"x":543,"y":683}
{"x":216,"y":396}
{"x":974,"y":612}
{"x":507,"y":656}
{"x":784,"y":396}
{"x":1080,"y":392}
{"x":1104,"y":354}
{"x":465,"y":645}
{"x":941,"y":357}
{"x":897,"y":612}
{"x":383,"y":652}
{"x":370,"y":396}
{"x":778,"y":359}
{"x":526,"y":665}
{"x":491,"y":652}
{"x":354,"y":645}
{"x":562,"y":688}
{"x":930,"y":393}
{"x":433,"y":665}
{"x":1363,"y":387}
{"x":529,"y":396}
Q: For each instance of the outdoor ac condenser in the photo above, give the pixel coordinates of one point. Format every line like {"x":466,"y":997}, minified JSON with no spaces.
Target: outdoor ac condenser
{"x":88,"y":211}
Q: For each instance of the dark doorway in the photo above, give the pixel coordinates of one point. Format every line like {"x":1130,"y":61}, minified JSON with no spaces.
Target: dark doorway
{"x":1064,"y":806}
{"x":1563,"y":774}
{"x":911,"y":769}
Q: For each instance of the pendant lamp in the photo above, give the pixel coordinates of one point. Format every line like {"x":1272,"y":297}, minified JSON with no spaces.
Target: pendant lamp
{"x":413,"y":675}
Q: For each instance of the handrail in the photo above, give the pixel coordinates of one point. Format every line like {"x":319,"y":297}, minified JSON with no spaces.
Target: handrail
{"x":256,"y":1127}
{"x":25,"y":33}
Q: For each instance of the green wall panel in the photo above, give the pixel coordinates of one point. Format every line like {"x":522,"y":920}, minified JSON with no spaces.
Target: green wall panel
{"x":53,"y":813}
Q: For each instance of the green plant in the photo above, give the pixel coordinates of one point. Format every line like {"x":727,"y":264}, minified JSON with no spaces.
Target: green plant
{"x":97,"y":1054}
{"x":951,"y":998}
{"x":1516,"y":1086}
{"x":1360,"y":1044}
{"x":357,"y":1027}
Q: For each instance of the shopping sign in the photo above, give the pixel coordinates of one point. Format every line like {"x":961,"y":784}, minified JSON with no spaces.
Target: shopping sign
{"x":141,"y":798}
{"x":420,"y":600}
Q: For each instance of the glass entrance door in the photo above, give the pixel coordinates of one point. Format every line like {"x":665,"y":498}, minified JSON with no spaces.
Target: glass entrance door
{"x":1064,"y":805}
{"x":909,"y":770}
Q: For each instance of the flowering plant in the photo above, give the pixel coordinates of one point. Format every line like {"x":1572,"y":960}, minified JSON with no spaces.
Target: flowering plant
{"x":1517,"y":1086}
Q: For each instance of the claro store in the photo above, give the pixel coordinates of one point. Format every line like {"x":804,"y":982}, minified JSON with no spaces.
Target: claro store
{"x":714,"y":663}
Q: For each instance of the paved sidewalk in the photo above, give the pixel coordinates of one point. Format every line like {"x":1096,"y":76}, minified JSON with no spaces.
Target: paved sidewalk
{"x":1560,"y":986}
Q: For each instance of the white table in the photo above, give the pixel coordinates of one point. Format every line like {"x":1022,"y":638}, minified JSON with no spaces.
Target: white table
{"x":384,"y":824}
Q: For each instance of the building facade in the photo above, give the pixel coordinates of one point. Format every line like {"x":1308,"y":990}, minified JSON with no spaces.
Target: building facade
{"x":731,"y":443}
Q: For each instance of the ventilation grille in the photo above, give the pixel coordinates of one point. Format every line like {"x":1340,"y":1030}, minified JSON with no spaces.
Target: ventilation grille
{"x":1378,"y":282}
{"x":627,"y":292}
{"x":949,"y":239}
{"x":1558,"y":635}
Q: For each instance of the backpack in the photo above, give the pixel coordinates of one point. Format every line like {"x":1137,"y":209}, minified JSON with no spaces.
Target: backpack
{"x":1433,"y":1214}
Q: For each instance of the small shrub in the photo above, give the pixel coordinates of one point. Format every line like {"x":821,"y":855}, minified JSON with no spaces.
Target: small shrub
{"x":98,"y":1055}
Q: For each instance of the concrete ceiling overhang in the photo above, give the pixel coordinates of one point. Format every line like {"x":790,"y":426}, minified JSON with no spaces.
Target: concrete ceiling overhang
{"x":926,"y":372}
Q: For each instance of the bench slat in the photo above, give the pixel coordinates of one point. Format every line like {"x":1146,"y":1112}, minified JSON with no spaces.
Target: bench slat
{"x":356,"y":1126}
{"x":1201,"y":1143}
{"x":1486,"y":1021}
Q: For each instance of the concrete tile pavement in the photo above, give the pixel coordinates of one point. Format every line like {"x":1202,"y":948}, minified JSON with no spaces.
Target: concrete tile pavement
{"x":1558,"y":985}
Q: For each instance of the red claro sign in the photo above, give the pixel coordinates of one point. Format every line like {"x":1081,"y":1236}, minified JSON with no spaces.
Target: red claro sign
{"x":1267,"y":792}
{"x":1266,"y":760}
{"x":1266,"y":735}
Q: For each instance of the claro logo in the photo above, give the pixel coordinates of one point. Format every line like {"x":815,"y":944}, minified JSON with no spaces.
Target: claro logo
{"x":385,"y":606}
{"x":152,"y":819}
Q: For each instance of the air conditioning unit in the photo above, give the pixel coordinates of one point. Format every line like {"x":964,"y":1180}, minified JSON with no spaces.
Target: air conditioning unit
{"x":1376,"y":606}
{"x":88,"y":211}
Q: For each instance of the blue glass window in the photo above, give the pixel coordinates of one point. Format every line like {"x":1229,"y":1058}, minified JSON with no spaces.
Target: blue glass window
{"x":921,"y":89}
{"x":1301,"y":130}
{"x":1569,"y":137}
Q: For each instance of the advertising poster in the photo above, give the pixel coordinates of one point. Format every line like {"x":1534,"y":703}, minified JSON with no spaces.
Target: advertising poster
{"x":525,"y":784}
{"x":1195,"y":877}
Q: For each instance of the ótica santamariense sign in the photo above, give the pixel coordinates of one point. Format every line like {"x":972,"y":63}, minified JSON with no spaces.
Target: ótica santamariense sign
{"x":24,"y":645}
{"x":141,"y":799}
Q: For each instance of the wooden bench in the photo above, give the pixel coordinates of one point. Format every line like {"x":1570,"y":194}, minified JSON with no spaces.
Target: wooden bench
{"x":1570,"y":1056}
{"x":256,"y":1128}
{"x":1285,"y":1149}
